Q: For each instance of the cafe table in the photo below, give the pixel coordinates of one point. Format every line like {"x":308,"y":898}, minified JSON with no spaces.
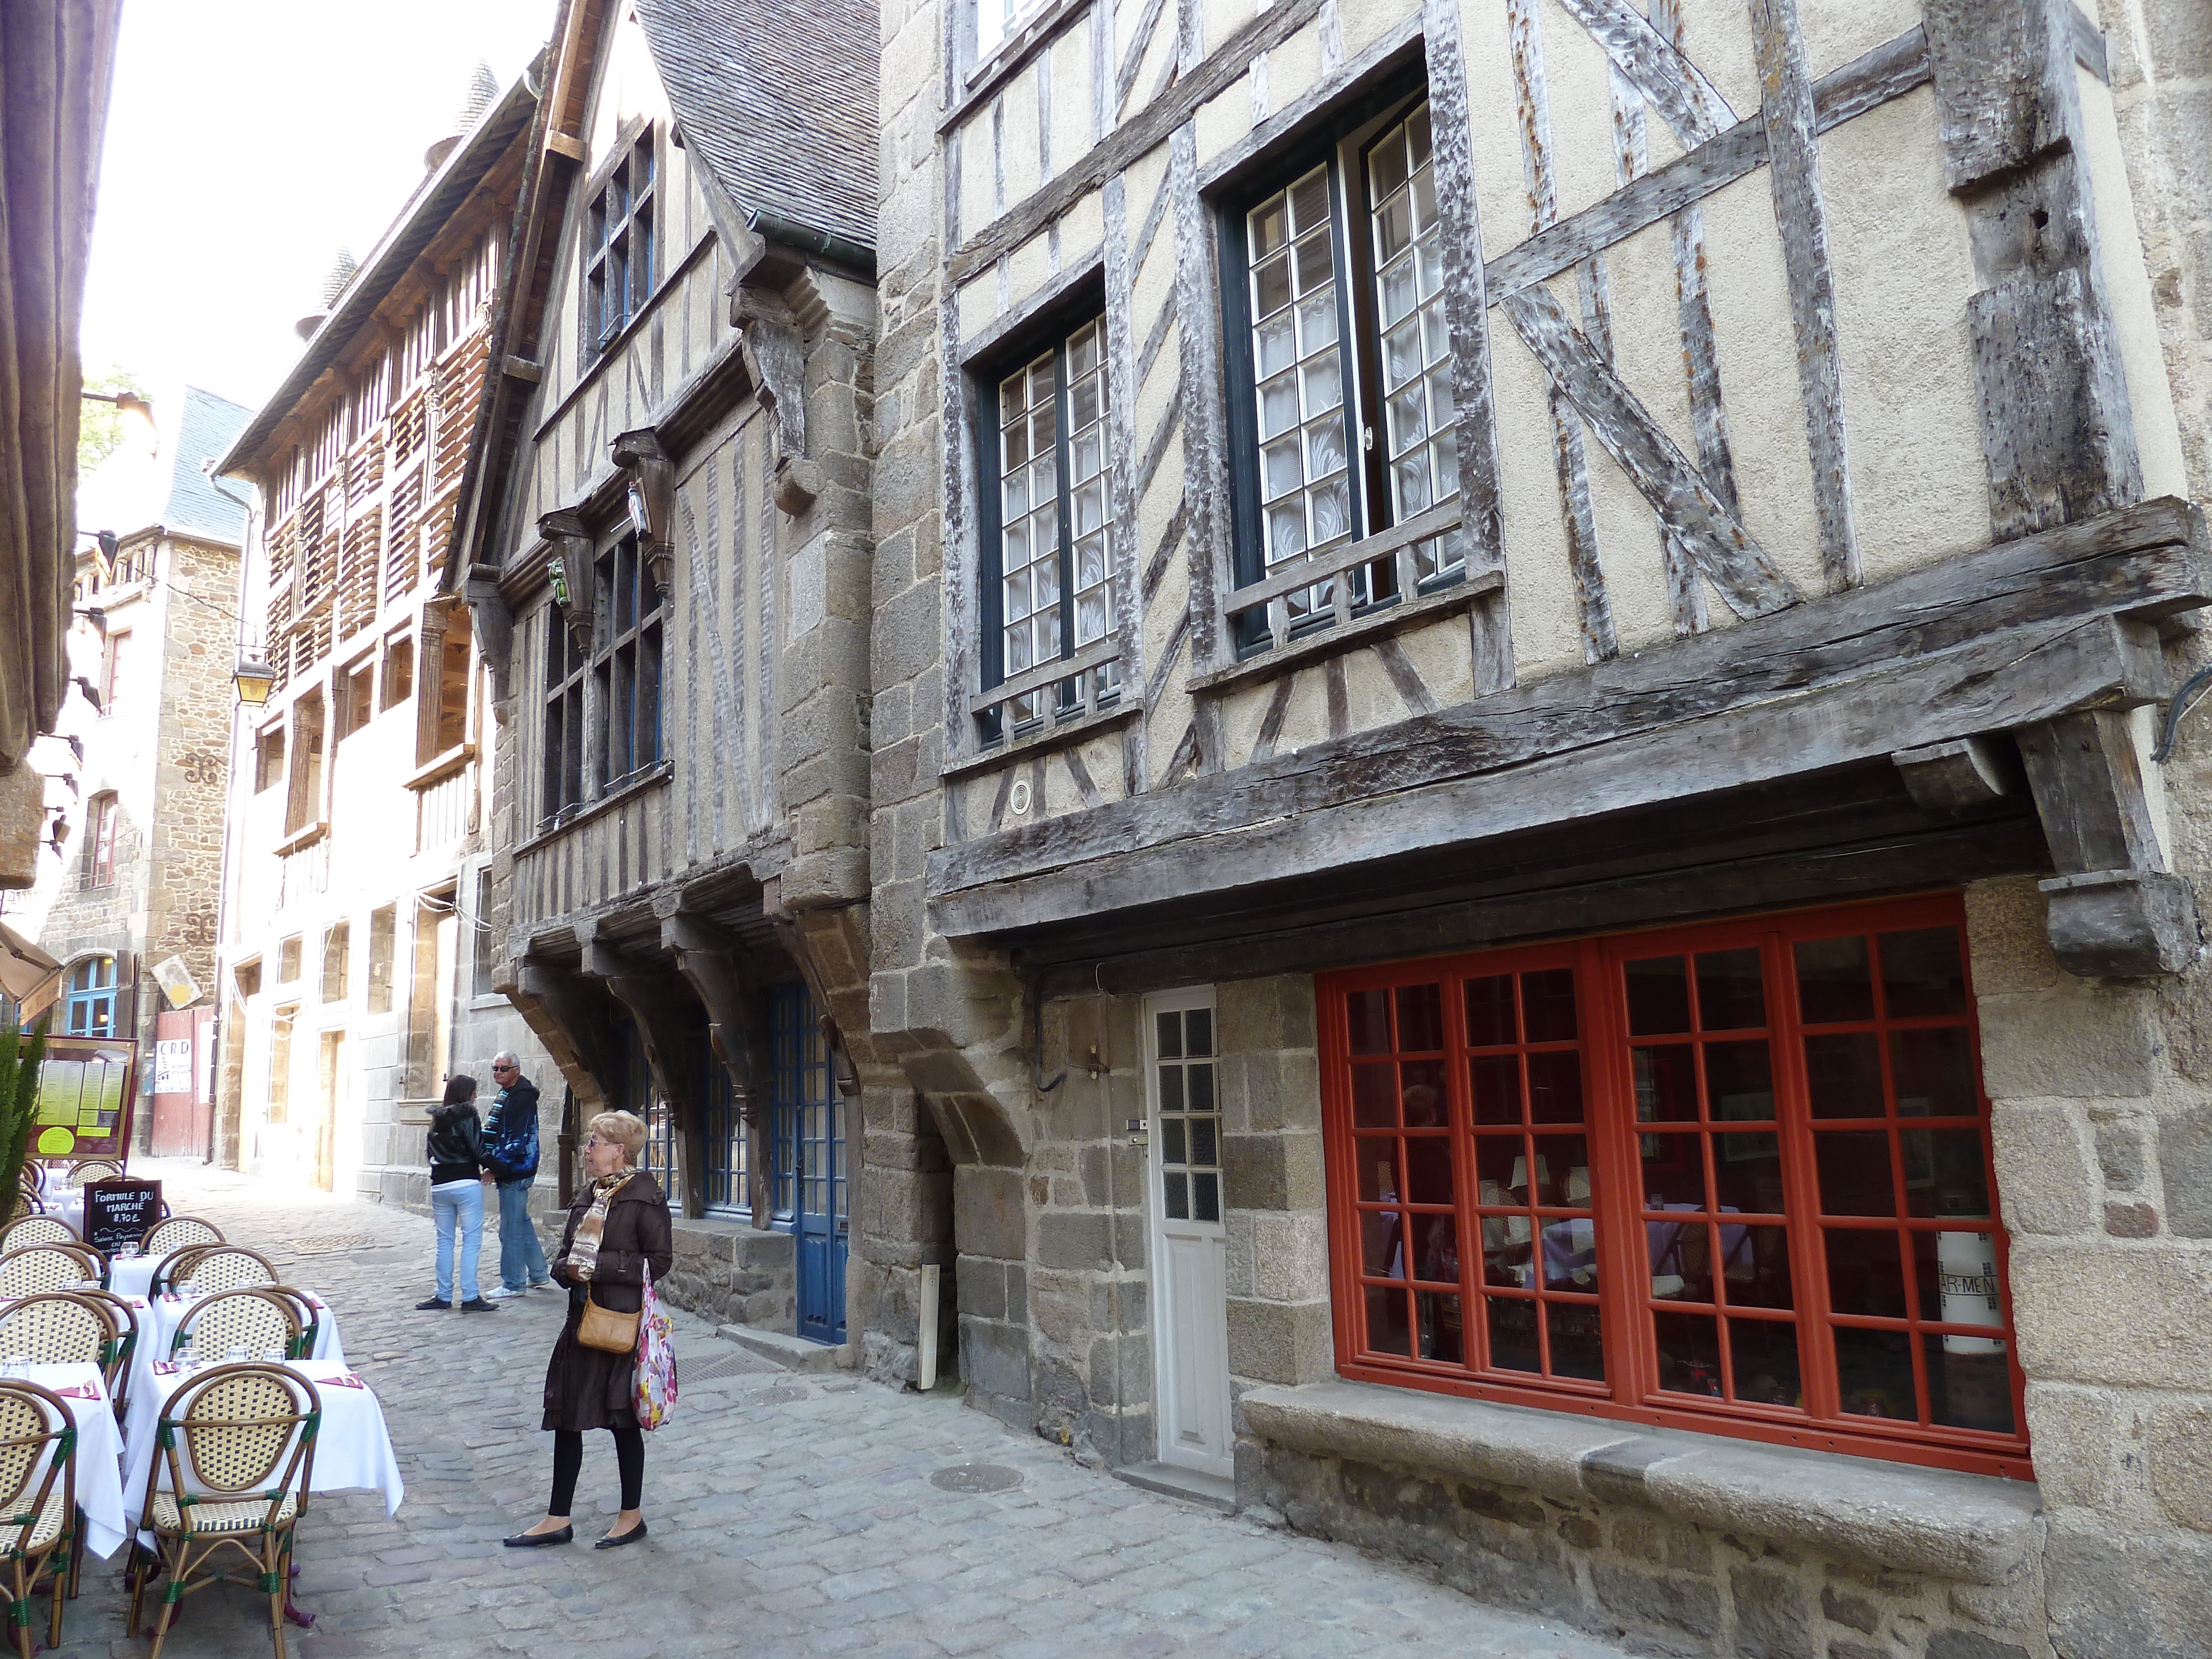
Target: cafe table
{"x":99,"y":1450}
{"x":157,"y":1330}
{"x":353,"y":1448}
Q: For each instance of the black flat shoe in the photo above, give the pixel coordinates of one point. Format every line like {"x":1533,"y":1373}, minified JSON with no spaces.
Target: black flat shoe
{"x":532,"y":1540}
{"x":477,"y":1304}
{"x":433,"y":1305}
{"x":612,"y":1543}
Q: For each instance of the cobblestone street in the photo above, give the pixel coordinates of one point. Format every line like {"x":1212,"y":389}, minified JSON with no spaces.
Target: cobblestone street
{"x":790,"y":1514}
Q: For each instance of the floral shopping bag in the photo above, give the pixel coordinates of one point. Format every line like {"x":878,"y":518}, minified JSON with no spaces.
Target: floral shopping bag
{"x":655,"y":1391}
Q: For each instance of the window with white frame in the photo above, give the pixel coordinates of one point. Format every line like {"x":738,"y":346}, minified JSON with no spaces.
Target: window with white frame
{"x":1341,"y":412}
{"x":1047,"y":577}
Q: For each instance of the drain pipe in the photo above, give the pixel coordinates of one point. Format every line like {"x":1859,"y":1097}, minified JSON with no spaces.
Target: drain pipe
{"x":928,"y":1380}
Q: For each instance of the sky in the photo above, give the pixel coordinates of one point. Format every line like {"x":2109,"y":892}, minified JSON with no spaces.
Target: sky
{"x":247,"y":141}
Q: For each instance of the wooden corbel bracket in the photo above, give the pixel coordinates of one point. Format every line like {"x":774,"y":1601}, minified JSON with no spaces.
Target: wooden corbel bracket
{"x":651,"y":501}
{"x":495,"y":623}
{"x":774,"y":349}
{"x":2117,"y":910}
{"x":573,"y":586}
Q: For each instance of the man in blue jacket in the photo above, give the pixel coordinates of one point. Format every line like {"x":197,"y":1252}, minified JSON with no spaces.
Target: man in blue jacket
{"x":511,"y":1152}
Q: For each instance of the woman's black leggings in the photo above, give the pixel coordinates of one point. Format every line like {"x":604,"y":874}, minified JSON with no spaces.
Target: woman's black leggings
{"x":569,"y":1463}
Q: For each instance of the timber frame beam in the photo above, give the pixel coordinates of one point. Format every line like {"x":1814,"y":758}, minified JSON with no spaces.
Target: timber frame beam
{"x":671,"y":1047}
{"x":2020,"y":634}
{"x":710,"y":961}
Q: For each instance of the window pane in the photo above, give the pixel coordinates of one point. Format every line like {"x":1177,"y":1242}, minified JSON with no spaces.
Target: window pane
{"x":1689,"y":1353}
{"x":1922,"y":974}
{"x":1854,"y":1173}
{"x":1421,"y":1094}
{"x":1205,"y":1198}
{"x":1420,"y":1018}
{"x":1843,"y":1070}
{"x":1177,"y":1192}
{"x":1496,"y":1083}
{"x":1367,"y":1013}
{"x":1731,"y":994}
{"x":1833,"y":984}
{"x":1935,"y":1072}
{"x":1866,"y":1275}
{"x":1658,"y":997}
{"x":1873,"y":1373}
{"x":1548,"y":1004}
{"x":1673,"y":1171}
{"x":1197,"y":1033}
{"x":1555,"y":1087}
{"x":1577,"y":1344}
{"x":1513,"y":1341}
{"x":1173,"y":1149}
{"x":1666,"y":1083}
{"x":1489,"y":1011}
{"x":1755,"y":1266}
{"x":1738,"y":1082}
{"x":1441,"y":1335}
{"x":1748,"y":1170}
{"x":1386,"y":1321}
{"x":1943,"y":1172}
{"x":1415,"y":356}
{"x":1764,"y":1355}
{"x":1969,"y":1390}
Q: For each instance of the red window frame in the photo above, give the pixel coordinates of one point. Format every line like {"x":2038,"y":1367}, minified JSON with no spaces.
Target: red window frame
{"x":1471,"y":1253}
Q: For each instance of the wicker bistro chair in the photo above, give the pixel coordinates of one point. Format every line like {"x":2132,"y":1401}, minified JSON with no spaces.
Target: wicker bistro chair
{"x":304,"y":1310}
{"x":96,"y":1169}
{"x":234,"y":1454}
{"x":176,"y":1233}
{"x":37,"y":1268}
{"x":57,"y":1327}
{"x":226,"y":1267}
{"x":255,"y":1320}
{"x":38,"y":1527}
{"x":115,"y":1370}
{"x":38,"y":1230}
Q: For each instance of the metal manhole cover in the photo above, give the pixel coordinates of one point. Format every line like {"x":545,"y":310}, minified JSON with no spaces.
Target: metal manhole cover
{"x":975,"y":1477}
{"x":736,"y":1364}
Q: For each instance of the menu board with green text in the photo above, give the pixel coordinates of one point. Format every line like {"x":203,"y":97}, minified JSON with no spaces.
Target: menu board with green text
{"x":84,"y":1098}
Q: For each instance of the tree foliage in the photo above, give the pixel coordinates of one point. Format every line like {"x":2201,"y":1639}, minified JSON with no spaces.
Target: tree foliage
{"x":100,"y":429}
{"x":19,"y":1059}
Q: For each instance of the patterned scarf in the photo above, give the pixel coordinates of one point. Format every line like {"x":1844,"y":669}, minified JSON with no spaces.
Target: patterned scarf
{"x":584,"y":1247}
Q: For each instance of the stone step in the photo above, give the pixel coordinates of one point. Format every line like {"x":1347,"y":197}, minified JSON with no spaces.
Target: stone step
{"x":793,"y":1353}
{"x":1214,"y":1490}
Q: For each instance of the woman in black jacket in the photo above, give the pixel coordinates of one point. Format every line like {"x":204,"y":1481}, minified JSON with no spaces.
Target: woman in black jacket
{"x":619,"y":1228}
{"x":456,"y":1168}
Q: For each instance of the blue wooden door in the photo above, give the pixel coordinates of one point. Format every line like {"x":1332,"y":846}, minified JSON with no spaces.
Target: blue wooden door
{"x":810,"y":1161}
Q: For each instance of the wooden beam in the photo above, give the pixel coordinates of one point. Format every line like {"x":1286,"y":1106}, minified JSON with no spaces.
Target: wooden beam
{"x":710,"y":961}
{"x":1959,"y":776}
{"x":1793,"y":158}
{"x":1887,"y":72}
{"x":1725,"y":553}
{"x":1692,"y":107}
{"x":2116,"y":908}
{"x":1224,"y":65}
{"x":2149,"y":563}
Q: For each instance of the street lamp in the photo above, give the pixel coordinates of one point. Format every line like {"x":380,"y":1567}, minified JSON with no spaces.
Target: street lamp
{"x":254,"y":679}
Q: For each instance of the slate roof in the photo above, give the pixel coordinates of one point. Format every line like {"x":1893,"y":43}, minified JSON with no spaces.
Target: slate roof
{"x":778,"y":97}
{"x":205,"y":428}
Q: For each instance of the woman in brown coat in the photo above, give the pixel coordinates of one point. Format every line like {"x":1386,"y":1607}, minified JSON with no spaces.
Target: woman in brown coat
{"x":617,"y":1226}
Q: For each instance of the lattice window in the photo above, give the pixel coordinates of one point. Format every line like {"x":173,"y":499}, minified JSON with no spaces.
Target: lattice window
{"x":400,"y":568}
{"x":410,"y":424}
{"x":618,"y":247}
{"x":358,"y":572}
{"x":364,"y":473}
{"x":460,"y":387}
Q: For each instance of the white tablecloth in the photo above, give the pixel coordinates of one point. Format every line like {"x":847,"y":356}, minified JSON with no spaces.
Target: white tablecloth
{"x":131,"y":1275}
{"x":157,"y":1328}
{"x":99,"y":1451}
{"x":353,"y":1448}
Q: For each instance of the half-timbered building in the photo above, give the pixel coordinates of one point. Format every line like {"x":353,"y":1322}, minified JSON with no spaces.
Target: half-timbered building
{"x":354,"y":950}
{"x":667,"y":540}
{"x":1524,"y":861}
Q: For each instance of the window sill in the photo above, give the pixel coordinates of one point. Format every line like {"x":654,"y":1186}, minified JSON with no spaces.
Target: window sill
{"x":1364,"y":629}
{"x":1971,"y":1529}
{"x":1044,"y":739}
{"x":634,"y":787}
{"x":438,"y":769}
{"x":299,"y":840}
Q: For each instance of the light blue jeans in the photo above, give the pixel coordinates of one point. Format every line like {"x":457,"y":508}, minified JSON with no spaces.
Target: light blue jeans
{"x":458,"y":1204}
{"x":521,"y":1257}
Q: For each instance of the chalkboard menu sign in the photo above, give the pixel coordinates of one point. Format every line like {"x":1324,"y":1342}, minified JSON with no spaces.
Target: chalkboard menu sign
{"x":118,"y":1213}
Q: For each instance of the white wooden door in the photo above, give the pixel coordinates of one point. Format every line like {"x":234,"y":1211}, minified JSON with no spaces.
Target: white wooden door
{"x":1190,"y":1284}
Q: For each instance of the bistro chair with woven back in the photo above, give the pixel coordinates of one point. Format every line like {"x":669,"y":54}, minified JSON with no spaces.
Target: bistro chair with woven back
{"x":37,"y":1268}
{"x":115,"y":1370}
{"x":256,"y":1321}
{"x":306,"y":1312}
{"x":38,"y":1523}
{"x":96,"y":1169}
{"x":234,"y":1451}
{"x":174,"y":1232}
{"x":38,"y":1230}
{"x":58,"y":1328}
{"x":213,"y":1267}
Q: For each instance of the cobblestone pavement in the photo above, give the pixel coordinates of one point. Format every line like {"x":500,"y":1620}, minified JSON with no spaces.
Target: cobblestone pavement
{"x":790,"y":1514}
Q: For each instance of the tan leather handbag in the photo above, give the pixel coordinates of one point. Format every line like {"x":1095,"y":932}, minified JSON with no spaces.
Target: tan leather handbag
{"x":605,"y":1330}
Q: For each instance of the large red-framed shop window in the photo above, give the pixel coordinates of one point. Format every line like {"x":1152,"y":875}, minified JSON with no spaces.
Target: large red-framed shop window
{"x":1733,"y":1177}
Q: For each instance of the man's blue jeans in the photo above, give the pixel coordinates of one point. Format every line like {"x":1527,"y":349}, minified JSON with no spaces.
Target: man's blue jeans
{"x":458,"y":1204}
{"x":521,"y":1257}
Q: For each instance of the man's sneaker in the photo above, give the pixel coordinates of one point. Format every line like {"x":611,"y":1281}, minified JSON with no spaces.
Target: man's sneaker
{"x":434,"y":1304}
{"x":477,"y":1304}
{"x":499,"y":1293}
{"x":542,"y":1285}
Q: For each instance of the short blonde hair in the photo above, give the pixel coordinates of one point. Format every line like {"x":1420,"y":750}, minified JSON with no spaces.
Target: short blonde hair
{"x":625,"y":1129}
